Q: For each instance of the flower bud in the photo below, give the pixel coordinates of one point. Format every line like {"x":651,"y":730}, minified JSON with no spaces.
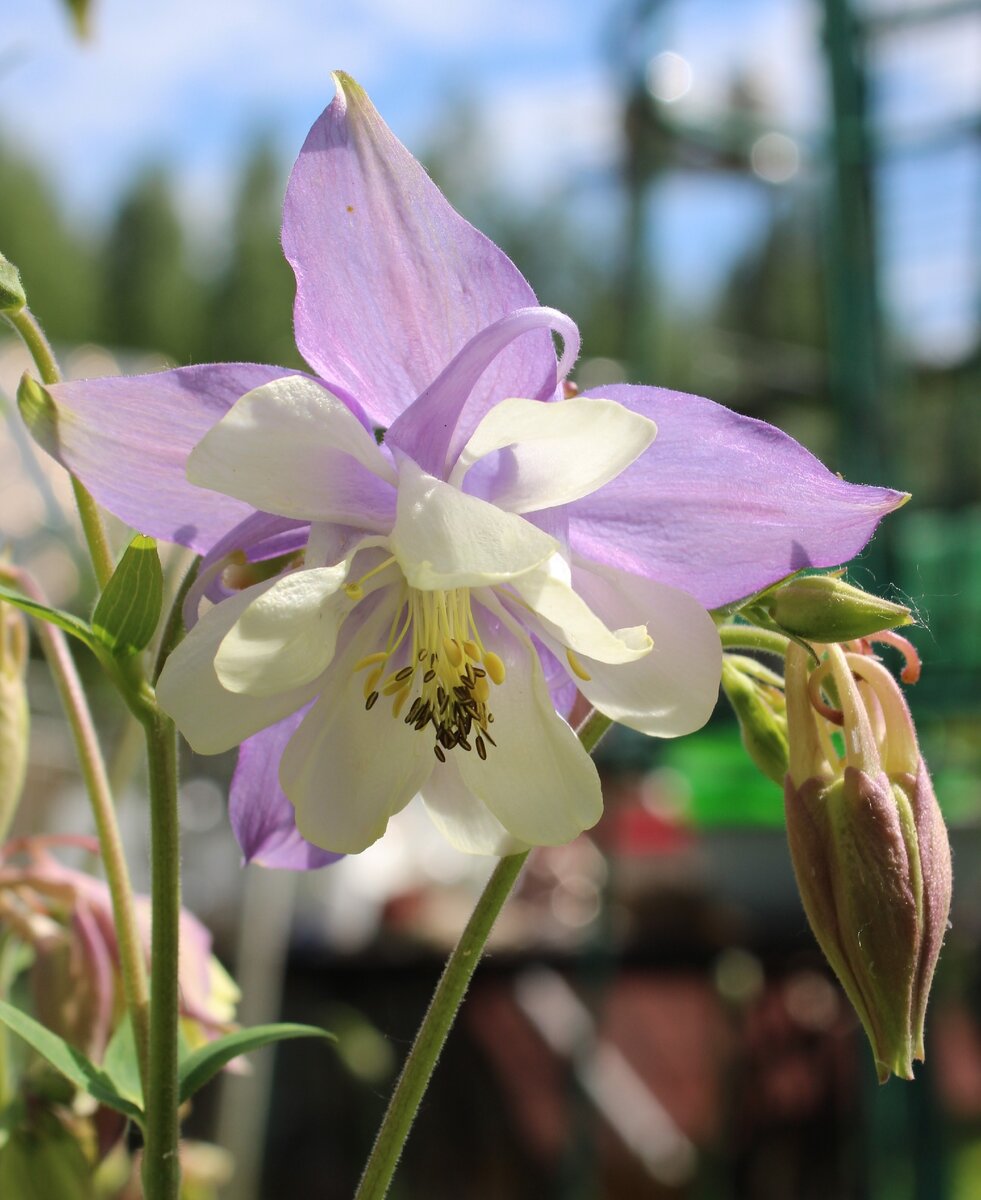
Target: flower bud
{"x":12,"y":298}
{"x":824,"y":608}
{"x":757,"y":699}
{"x":14,"y":712}
{"x":868,"y":845}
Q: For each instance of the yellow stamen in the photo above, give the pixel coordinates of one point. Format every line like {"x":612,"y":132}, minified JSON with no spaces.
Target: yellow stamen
{"x":495,"y":667}
{"x":369,"y":660}
{"x":369,"y":683}
{"x":577,"y":668}
{"x":392,"y":685}
{"x":441,"y":674}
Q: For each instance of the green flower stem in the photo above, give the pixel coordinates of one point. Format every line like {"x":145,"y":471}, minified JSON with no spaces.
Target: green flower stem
{"x":95,"y":777}
{"x":443,"y":1007}
{"x":161,"y":1164}
{"x":33,"y":338}
{"x":751,"y":637}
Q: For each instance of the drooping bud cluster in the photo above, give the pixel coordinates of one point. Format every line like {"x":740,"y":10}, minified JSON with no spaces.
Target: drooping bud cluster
{"x":868,"y":842}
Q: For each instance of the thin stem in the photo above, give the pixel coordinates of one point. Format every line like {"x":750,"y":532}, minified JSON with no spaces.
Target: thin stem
{"x":432,"y":1033}
{"x":95,"y":777}
{"x":40,"y":350}
{"x":443,"y":1007}
{"x":751,"y":637}
{"x":161,"y":1164}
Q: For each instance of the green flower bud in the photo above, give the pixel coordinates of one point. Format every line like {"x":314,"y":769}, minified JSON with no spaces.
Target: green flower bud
{"x":12,"y":298}
{"x":760,"y":708}
{"x":869,"y":847}
{"x":824,"y":608}
{"x":14,"y":712}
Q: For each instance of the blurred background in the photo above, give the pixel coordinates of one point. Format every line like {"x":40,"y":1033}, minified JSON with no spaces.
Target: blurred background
{"x":776,"y":203}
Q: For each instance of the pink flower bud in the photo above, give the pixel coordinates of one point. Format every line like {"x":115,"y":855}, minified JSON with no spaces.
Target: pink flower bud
{"x":868,"y":844}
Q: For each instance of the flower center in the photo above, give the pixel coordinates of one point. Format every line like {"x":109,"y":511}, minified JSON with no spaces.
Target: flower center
{"x":445,"y":669}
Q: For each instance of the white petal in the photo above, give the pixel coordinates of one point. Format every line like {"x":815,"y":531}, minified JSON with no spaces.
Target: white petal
{"x":556,"y":452}
{"x":462,"y":819}
{"x":570,"y":620}
{"x":445,"y":539}
{"x":287,"y":636}
{"x":670,"y":691}
{"x":347,"y":770}
{"x":211,"y":718}
{"x":537,"y":781}
{"x":293,"y":448}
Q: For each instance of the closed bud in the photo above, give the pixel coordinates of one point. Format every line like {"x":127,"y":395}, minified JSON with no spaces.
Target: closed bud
{"x":824,"y":608}
{"x":757,"y":699}
{"x":12,"y":298}
{"x":868,"y":844}
{"x":14,"y":713}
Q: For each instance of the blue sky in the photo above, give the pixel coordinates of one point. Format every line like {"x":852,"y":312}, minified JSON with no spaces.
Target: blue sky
{"x":189,"y":81}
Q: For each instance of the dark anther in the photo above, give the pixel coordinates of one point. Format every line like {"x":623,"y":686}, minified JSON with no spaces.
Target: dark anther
{"x":487,"y":735}
{"x":481,"y":748}
{"x":370,"y":702}
{"x":439,"y":754}
{"x":429,"y":676}
{"x":404,"y":673}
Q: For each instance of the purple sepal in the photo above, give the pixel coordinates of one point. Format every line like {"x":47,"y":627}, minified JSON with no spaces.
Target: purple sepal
{"x":261,"y":816}
{"x":721,"y":505}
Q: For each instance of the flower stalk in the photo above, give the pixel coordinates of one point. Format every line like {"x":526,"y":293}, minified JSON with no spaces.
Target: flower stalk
{"x":33,"y":337}
{"x":161,"y":1163}
{"x":96,"y":779}
{"x":443,"y":1007}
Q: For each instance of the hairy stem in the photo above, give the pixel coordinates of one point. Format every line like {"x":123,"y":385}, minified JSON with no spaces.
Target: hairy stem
{"x":161,"y":1164}
{"x":443,"y":1007}
{"x":751,"y":637}
{"x":95,"y":777}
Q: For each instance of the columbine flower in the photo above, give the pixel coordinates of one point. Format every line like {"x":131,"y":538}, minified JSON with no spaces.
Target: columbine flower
{"x":868,"y":843}
{"x":500,"y":548}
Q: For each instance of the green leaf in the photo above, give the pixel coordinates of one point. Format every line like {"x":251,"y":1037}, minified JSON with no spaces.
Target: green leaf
{"x":199,"y":1066}
{"x":12,"y":298}
{"x":129,"y":608}
{"x":54,"y":616}
{"x":71,"y":1063}
{"x":122,"y":1065}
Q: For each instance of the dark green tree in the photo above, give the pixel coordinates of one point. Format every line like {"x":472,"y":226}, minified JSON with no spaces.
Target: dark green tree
{"x":252,"y":299}
{"x":150,"y":299}
{"x":55,"y":262}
